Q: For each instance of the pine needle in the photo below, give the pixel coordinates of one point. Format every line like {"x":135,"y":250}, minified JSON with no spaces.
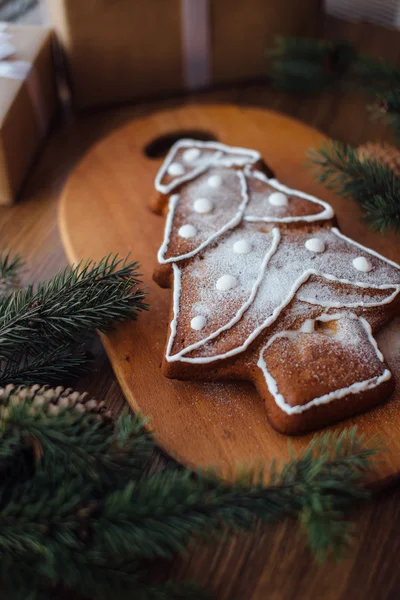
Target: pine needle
{"x":10,"y":268}
{"x":373,"y":185}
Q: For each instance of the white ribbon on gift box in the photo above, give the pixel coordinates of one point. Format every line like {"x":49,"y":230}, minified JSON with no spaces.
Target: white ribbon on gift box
{"x":12,"y":69}
{"x":196,"y":43}
{"x":21,"y":70}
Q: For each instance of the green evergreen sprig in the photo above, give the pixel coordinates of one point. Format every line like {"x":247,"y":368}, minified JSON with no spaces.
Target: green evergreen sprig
{"x":373,"y":185}
{"x":312,"y":65}
{"x":309,"y":65}
{"x":79,"y":511}
{"x":386,"y":108}
{"x":10,"y":268}
{"x":43,"y":329}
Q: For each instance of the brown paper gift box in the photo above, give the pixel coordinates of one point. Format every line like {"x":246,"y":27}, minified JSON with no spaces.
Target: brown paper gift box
{"x":26,"y":106}
{"x":119,"y":50}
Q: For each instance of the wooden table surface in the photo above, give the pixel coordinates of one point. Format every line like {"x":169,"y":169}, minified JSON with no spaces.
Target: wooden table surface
{"x":273,"y":562}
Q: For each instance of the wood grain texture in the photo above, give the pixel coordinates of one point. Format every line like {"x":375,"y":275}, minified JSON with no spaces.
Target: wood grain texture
{"x":104,"y":209}
{"x":273,"y":562}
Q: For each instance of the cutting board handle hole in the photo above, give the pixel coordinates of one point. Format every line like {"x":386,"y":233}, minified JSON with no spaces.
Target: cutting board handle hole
{"x":159,"y":146}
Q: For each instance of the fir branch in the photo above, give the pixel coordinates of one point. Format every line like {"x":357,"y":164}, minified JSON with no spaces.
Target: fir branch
{"x":49,"y":367}
{"x":63,"y":311}
{"x":83,"y":516}
{"x":42,"y":331}
{"x":374,"y":74}
{"x":173,"y":591}
{"x":65,"y":441}
{"x":382,"y":212}
{"x":302,"y":48}
{"x":296,"y":76}
{"x":386,"y":108}
{"x":157,"y":518}
{"x":10,"y":268}
{"x":373,"y":185}
{"x":310,"y":65}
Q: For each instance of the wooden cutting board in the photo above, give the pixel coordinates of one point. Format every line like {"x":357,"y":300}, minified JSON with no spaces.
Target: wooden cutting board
{"x":104,"y":209}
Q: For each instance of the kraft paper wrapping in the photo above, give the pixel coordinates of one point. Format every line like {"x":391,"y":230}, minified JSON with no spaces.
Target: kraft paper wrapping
{"x":27,"y":104}
{"x":119,"y":50}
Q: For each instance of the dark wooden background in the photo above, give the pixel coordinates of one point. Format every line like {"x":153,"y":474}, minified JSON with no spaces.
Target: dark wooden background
{"x":273,"y":562}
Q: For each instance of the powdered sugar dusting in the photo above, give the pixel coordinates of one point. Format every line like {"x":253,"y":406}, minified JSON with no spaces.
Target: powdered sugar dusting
{"x":228,"y":203}
{"x":199,"y":282}
{"x":266,"y":202}
{"x":351,"y":340}
{"x":324,"y":292}
{"x":312,"y":278}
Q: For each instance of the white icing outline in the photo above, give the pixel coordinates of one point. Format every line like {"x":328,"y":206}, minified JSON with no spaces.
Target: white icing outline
{"x":175,"y":306}
{"x":272,"y":318}
{"x":174,"y":199}
{"x":276,"y":236}
{"x":355,"y":388}
{"x":385,"y":286}
{"x":327,"y":213}
{"x":218,"y":158}
{"x":336,"y":231}
{"x":360,"y":304}
{"x":220,"y":150}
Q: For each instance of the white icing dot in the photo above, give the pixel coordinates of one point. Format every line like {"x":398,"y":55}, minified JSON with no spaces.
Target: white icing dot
{"x":308,"y":326}
{"x":315,"y":245}
{"x":175,"y":169}
{"x":362,"y":264}
{"x":203,"y":206}
{"x":278,"y":199}
{"x":214,"y":181}
{"x":242,"y":247}
{"x":187,"y":231}
{"x":198,"y":322}
{"x":226,"y":282}
{"x":191,"y":155}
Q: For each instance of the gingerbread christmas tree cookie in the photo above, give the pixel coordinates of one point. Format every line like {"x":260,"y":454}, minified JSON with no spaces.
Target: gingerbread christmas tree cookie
{"x":266,"y":288}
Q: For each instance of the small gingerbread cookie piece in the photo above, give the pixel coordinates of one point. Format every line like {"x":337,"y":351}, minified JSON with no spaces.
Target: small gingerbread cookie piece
{"x":307,"y":373}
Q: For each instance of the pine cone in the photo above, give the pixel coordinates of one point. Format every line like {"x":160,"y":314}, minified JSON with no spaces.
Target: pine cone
{"x":52,"y":400}
{"x":386,"y":154}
